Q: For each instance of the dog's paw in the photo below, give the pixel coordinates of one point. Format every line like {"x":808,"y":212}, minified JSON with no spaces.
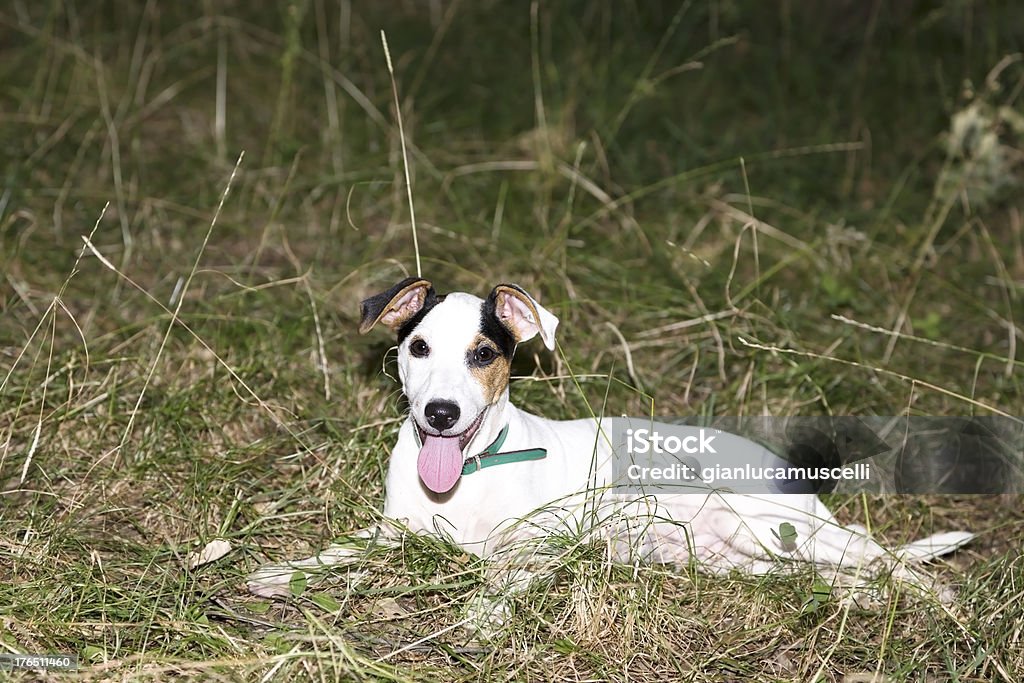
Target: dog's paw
{"x":281,"y":580}
{"x":271,"y":581}
{"x":487,"y":616}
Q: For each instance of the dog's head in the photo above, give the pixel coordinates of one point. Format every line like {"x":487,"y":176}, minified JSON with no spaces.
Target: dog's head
{"x":454,"y":356}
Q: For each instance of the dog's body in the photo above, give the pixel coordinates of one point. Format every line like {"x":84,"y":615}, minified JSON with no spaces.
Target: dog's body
{"x":454,"y":357}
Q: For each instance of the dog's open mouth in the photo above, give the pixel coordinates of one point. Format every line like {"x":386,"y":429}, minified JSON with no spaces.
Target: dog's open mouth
{"x":441,"y":457}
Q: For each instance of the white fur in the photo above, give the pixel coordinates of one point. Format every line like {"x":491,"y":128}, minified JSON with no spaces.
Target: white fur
{"x":448,"y":329}
{"x":484,"y":513}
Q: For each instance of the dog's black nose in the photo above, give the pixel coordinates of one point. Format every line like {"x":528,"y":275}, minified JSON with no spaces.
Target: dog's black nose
{"x":441,"y":415}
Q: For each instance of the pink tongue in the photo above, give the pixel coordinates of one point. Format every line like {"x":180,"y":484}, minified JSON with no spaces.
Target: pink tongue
{"x":440,"y":462}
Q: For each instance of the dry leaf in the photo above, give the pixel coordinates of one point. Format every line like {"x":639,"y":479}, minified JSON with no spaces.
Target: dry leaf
{"x":213,"y":551}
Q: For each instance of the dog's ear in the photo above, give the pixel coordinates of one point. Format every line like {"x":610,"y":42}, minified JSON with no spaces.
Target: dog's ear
{"x":522,"y":315}
{"x":395,"y":306}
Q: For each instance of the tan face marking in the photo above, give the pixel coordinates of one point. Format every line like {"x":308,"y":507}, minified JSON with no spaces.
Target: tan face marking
{"x":494,"y":376}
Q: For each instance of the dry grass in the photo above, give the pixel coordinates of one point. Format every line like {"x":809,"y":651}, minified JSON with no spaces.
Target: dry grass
{"x":181,"y":379}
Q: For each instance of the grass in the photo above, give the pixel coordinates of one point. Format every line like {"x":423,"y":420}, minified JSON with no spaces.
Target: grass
{"x":671,"y":178}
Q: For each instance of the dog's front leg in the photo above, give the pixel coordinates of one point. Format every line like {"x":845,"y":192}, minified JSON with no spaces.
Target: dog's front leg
{"x":274,"y":580}
{"x":509,"y":572}
{"x":489,"y":609}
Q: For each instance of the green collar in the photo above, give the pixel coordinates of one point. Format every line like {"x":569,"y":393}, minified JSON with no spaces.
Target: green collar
{"x":490,"y":457}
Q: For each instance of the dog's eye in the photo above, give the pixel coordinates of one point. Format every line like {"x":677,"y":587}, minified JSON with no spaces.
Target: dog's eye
{"x":419,"y":348}
{"x":484,"y":355}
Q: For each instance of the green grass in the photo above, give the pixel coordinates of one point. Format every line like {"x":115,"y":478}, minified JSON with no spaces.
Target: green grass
{"x":757,"y":169}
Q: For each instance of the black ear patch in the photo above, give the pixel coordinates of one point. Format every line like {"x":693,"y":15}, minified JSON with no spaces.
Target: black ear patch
{"x":492,"y":327}
{"x":386,"y":304}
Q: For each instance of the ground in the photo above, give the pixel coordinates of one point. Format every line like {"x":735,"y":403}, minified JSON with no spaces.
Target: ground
{"x":735,"y":208}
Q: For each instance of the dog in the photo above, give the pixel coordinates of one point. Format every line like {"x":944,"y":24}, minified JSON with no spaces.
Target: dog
{"x":471,"y":467}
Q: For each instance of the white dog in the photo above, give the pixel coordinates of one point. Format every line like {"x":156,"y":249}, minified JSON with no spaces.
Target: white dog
{"x":472,"y":467}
